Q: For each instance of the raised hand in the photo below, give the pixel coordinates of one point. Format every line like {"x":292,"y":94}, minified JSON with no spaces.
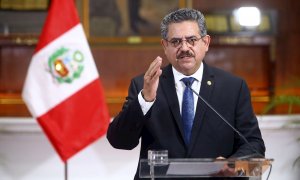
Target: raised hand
{"x":151,"y":80}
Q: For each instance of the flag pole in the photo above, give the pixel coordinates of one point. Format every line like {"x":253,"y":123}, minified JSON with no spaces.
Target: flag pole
{"x":66,"y":170}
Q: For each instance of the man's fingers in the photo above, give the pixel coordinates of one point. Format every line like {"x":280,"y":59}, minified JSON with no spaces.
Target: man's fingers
{"x":157,"y":74}
{"x":154,"y":66}
{"x":151,"y":79}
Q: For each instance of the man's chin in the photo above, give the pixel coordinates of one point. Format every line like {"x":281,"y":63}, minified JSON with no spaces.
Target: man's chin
{"x":186,"y":62}
{"x":187,"y":68}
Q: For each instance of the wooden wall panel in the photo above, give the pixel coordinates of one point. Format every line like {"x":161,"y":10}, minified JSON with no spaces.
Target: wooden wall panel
{"x":266,"y":67}
{"x":117,"y":65}
{"x":14,"y":61}
{"x":252,"y":63}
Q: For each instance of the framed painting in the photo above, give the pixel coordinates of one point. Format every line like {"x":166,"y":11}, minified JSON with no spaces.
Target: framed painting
{"x":125,"y":21}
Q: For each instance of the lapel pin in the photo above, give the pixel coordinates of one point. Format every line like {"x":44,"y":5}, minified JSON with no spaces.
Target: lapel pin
{"x":209,"y":83}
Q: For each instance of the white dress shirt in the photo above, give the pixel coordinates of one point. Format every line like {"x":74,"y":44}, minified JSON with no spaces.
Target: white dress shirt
{"x":179,"y":86}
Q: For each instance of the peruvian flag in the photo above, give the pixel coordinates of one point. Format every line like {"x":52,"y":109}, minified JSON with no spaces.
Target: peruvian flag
{"x":62,"y":89}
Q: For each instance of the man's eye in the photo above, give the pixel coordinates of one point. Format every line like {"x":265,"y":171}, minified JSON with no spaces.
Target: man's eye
{"x":191,"y":41}
{"x":175,"y":41}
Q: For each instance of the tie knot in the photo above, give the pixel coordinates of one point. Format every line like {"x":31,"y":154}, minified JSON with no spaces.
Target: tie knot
{"x":188,"y":81}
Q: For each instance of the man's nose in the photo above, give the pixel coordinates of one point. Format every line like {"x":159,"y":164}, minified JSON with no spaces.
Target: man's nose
{"x":184,"y":45}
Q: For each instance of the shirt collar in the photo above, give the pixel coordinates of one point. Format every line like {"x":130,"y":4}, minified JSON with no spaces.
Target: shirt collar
{"x":197,"y":75}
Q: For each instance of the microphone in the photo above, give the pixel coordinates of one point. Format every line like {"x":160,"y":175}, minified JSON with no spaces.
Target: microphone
{"x":257,"y":154}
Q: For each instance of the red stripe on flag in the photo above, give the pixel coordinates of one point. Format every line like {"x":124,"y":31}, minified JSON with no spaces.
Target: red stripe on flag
{"x":77,"y":121}
{"x":62,"y":16}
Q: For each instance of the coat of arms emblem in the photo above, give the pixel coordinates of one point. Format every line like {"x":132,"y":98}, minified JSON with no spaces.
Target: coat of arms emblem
{"x":65,"y":65}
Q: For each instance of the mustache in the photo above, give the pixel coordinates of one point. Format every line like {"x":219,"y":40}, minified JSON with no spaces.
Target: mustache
{"x":184,"y":54}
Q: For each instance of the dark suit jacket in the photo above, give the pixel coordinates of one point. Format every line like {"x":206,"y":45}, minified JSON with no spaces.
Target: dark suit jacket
{"x":161,"y":128}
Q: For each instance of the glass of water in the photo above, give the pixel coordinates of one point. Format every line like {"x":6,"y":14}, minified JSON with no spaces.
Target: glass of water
{"x":158,"y":157}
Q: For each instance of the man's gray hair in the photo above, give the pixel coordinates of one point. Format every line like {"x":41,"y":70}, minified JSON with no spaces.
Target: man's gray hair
{"x":181,"y":15}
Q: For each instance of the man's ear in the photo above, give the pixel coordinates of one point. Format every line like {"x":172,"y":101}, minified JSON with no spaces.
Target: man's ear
{"x":206,"y":41}
{"x":164,"y":43}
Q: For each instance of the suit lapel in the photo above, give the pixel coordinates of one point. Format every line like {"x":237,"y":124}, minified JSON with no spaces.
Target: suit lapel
{"x":168,"y":87}
{"x":207,"y":86}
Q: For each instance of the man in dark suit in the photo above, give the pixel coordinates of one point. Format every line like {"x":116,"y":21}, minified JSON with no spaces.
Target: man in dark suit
{"x":162,"y":112}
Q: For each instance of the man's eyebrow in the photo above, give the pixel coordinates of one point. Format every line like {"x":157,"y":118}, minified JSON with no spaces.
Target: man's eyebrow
{"x":189,"y":37}
{"x":186,"y":37}
{"x":175,"y":38}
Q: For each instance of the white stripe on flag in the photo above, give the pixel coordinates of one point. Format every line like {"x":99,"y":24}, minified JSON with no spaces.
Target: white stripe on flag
{"x":41,"y":92}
